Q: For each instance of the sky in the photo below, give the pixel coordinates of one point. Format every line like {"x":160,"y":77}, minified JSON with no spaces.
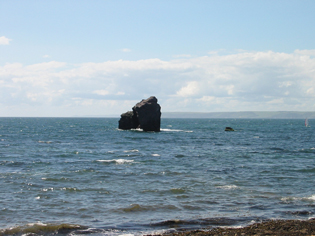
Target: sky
{"x":78,"y":58}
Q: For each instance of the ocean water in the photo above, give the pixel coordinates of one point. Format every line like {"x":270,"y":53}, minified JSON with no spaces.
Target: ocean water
{"x":83,"y":176}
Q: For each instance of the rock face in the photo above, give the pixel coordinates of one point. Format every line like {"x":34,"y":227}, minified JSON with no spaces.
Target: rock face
{"x":145,"y":115}
{"x":128,"y":120}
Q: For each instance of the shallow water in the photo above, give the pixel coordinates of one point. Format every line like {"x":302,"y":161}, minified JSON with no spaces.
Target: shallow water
{"x":55,"y":172}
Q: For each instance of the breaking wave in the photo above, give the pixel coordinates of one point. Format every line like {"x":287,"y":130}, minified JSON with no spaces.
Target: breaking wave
{"x":177,"y":130}
{"x":117,"y":161}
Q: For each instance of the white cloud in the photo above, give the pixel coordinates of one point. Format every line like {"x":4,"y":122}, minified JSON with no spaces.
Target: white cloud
{"x":125,"y":50}
{"x":4,"y":40}
{"x":305,"y":52}
{"x":236,"y":82}
{"x":101,"y":92}
{"x":191,"y":89}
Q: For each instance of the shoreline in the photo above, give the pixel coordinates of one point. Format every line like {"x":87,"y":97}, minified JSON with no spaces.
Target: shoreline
{"x":268,"y":227}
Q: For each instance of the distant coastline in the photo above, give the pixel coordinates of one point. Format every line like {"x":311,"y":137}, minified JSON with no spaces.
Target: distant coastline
{"x":243,"y":115}
{"x":207,"y":115}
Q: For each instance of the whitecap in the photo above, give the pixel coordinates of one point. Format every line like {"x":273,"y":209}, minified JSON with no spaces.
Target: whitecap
{"x":118,"y":161}
{"x":137,"y":129}
{"x":48,"y":142}
{"x":286,"y":199}
{"x":122,"y":161}
{"x":228,"y":186}
{"x":132,"y":150}
{"x":176,"y":130}
{"x":155,"y":155}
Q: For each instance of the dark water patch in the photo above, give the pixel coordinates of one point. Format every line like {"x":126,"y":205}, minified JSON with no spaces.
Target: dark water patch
{"x":192,"y":207}
{"x":144,"y":208}
{"x":306,"y":170}
{"x":179,"y":155}
{"x":182,"y":196}
{"x":300,"y":213}
{"x":258,"y":207}
{"x":15,"y":164}
{"x":200,"y":223}
{"x":171,"y":173}
{"x":277,"y":149}
{"x":42,"y":229}
{"x":309,"y":150}
{"x":177,"y":191}
{"x":145,"y":138}
{"x":61,"y":179}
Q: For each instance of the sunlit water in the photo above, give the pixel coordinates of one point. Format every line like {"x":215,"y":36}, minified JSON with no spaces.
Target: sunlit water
{"x":84,"y":176}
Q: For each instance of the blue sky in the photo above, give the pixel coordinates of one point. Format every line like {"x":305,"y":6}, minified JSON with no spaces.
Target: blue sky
{"x":86,"y":58}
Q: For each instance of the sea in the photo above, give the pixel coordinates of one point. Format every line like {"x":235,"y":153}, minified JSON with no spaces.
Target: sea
{"x":84,"y":176}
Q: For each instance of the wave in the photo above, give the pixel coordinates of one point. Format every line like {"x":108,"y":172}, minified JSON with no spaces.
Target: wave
{"x":117,"y":161}
{"x":132,"y":150}
{"x":48,"y":142}
{"x":139,"y":208}
{"x":42,"y":229}
{"x":177,"y":130}
{"x":228,"y":187}
{"x":290,"y":199}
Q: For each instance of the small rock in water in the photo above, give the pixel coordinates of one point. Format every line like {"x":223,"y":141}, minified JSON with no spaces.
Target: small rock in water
{"x":229,"y":129}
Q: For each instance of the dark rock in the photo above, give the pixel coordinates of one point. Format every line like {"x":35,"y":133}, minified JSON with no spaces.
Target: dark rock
{"x":145,"y":115}
{"x":128,"y":120}
{"x":228,"y":129}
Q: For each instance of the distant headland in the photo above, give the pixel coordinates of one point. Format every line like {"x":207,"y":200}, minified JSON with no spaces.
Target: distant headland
{"x":243,"y":115}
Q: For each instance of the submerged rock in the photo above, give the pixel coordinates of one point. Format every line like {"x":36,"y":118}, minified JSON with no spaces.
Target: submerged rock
{"x":145,"y":115}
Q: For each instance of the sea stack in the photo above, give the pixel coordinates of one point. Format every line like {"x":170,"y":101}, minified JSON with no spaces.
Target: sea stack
{"x":145,"y":115}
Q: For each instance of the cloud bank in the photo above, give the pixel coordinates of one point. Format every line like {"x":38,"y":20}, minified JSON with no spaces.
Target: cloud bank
{"x":244,"y":81}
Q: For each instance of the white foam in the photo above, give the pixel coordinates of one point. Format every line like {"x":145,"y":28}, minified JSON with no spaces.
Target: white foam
{"x":118,"y":161}
{"x":155,"y":155}
{"x":40,"y":141}
{"x":133,"y":150}
{"x":286,"y":199}
{"x":176,"y":130}
{"x":137,"y":129}
{"x":228,"y":187}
